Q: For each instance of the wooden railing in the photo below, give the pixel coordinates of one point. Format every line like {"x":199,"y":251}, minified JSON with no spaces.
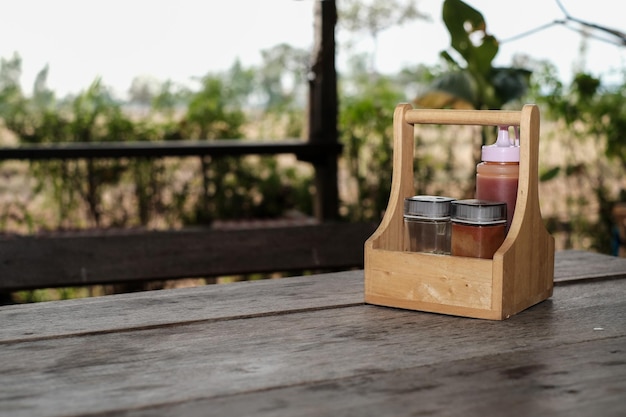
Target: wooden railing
{"x":327,"y":244}
{"x":122,"y":256}
{"x":115,"y":257}
{"x":217,"y":148}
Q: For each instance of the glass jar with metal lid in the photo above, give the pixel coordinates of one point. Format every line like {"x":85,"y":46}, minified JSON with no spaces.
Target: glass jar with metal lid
{"x":478,"y":227}
{"x":427,"y":224}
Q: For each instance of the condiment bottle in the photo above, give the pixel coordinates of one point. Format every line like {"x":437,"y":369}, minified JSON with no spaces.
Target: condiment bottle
{"x":427,"y":224}
{"x":497,"y":176}
{"x":478,"y":227}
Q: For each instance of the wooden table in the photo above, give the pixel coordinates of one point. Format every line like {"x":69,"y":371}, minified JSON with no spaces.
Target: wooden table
{"x":308,"y":346}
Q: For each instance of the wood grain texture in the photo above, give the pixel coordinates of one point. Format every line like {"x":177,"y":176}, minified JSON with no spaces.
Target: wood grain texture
{"x":577,"y":265}
{"x":463,"y":117}
{"x":164,"y":308}
{"x":566,"y":381}
{"x":464,"y":285}
{"x":221,"y":302}
{"x":564,"y":355}
{"x":48,"y":261}
{"x":524,"y":264}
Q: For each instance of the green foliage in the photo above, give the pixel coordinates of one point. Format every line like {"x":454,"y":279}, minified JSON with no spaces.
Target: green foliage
{"x":366,"y":131}
{"x":594,"y":115}
{"x":604,"y":112}
{"x":233,"y":187}
{"x":473,"y":83}
{"x":376,"y":16}
{"x":13,"y":105}
{"x":95,"y":192}
{"x":549,"y":174}
{"x":282,"y":77}
{"x":90,"y":117}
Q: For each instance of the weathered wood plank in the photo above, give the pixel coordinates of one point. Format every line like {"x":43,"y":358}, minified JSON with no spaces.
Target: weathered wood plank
{"x":149,"y":309}
{"x":99,"y":258}
{"x":576,"y":265}
{"x":321,"y":348}
{"x":185,"y":305}
{"x":582,"y":379}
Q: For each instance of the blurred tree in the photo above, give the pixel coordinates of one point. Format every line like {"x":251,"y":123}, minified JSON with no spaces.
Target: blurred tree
{"x":366,"y":132}
{"x":143,"y":90}
{"x":213,"y":112}
{"x":594,"y":115}
{"x":13,"y":103}
{"x":282,"y":76}
{"x":43,"y":98}
{"x":242,"y":83}
{"x":376,"y":16}
{"x":166,"y":101}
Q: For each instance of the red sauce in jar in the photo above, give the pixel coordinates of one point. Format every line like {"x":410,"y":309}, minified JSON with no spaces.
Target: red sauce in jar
{"x":478,"y":227}
{"x":476,"y":241}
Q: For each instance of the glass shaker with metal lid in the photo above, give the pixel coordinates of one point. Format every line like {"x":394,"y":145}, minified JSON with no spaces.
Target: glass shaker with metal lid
{"x":478,"y":227}
{"x":427,"y":224}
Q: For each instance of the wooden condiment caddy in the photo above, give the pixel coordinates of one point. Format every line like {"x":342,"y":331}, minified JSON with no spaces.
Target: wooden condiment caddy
{"x":522,"y":269}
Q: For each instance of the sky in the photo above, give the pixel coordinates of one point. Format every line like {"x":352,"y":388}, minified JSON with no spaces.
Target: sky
{"x":178,"y":40}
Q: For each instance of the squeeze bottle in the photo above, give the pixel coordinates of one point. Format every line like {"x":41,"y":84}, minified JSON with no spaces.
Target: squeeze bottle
{"x":497,"y":175}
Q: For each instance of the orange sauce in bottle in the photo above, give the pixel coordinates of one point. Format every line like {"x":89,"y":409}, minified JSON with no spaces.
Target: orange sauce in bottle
{"x":498,"y":181}
{"x":497,"y":177}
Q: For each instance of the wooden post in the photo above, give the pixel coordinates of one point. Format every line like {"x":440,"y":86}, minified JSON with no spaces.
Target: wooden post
{"x":323,"y":109}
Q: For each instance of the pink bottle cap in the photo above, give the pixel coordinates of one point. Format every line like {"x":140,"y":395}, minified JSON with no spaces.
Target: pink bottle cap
{"x":504,"y":150}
